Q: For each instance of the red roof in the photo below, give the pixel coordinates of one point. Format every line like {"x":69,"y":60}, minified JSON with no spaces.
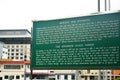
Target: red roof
{"x":27,"y":62}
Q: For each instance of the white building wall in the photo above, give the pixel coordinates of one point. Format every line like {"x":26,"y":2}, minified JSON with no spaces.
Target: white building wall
{"x":3,"y":51}
{"x":18,"y":74}
{"x":19,"y":51}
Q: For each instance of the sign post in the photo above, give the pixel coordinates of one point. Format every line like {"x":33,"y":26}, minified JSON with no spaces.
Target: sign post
{"x":88,"y":42}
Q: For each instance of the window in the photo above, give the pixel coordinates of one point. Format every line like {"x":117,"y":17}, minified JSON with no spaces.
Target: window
{"x":108,"y":72}
{"x":22,"y":75}
{"x":17,"y":54}
{"x":16,"y":57}
{"x":12,"y":53}
{"x":21,"y":57}
{"x":66,"y":77}
{"x":12,"y":77}
{"x":42,"y":77}
{"x":21,"y":53}
{"x":25,"y":56}
{"x":21,"y":50}
{"x":17,"y":50}
{"x":12,"y":57}
{"x":82,"y":76}
{"x":6,"y":77}
{"x":17,"y":46}
{"x":11,"y":66}
{"x":12,"y":46}
{"x":51,"y":71}
{"x":73,"y":77}
{"x":17,"y":77}
{"x":58,"y":76}
{"x":12,"y":50}
{"x":22,"y":66}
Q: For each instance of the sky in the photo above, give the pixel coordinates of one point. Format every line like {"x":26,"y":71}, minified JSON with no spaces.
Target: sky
{"x":19,"y":14}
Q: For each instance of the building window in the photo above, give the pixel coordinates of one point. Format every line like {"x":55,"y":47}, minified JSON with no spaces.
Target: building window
{"x":12,"y":77}
{"x":58,"y":77}
{"x":12,"y":50}
{"x":17,"y":46}
{"x":17,"y":50}
{"x":21,"y":50}
{"x":22,"y":66}
{"x":12,"y":46}
{"x":42,"y":77}
{"x":21,"y":57}
{"x":22,"y":75}
{"x":17,"y":77}
{"x":16,"y":57}
{"x":51,"y":71}
{"x":12,"y":57}
{"x":12,"y":53}
{"x":6,"y":77}
{"x":17,"y":54}
{"x":11,"y":66}
{"x":73,"y":77}
{"x":21,"y":53}
{"x":25,"y":56}
{"x":65,"y":77}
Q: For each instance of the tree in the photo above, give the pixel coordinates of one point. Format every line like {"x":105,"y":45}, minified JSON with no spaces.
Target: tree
{"x":118,"y":78}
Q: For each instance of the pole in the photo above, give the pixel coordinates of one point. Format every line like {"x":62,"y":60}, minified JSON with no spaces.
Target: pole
{"x":31,"y":74}
{"x":109,"y":5}
{"x":98,"y":5}
{"x":105,"y":5}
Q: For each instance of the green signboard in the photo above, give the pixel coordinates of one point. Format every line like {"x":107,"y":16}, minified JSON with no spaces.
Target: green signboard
{"x":87,"y":42}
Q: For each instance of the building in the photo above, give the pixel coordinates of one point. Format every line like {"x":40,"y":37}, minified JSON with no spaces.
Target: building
{"x":12,"y":70}
{"x":18,"y":43}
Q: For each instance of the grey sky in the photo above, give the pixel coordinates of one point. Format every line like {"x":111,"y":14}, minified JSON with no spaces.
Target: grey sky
{"x":18,"y":14}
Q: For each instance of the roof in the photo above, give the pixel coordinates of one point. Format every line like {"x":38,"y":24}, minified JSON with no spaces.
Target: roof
{"x":15,"y":33}
{"x":15,"y":30}
{"x":27,"y":62}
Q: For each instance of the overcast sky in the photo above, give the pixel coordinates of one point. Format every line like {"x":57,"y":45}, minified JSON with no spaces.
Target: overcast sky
{"x":19,"y":14}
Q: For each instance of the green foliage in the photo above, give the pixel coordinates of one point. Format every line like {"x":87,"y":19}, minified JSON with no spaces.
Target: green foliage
{"x":117,"y":78}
